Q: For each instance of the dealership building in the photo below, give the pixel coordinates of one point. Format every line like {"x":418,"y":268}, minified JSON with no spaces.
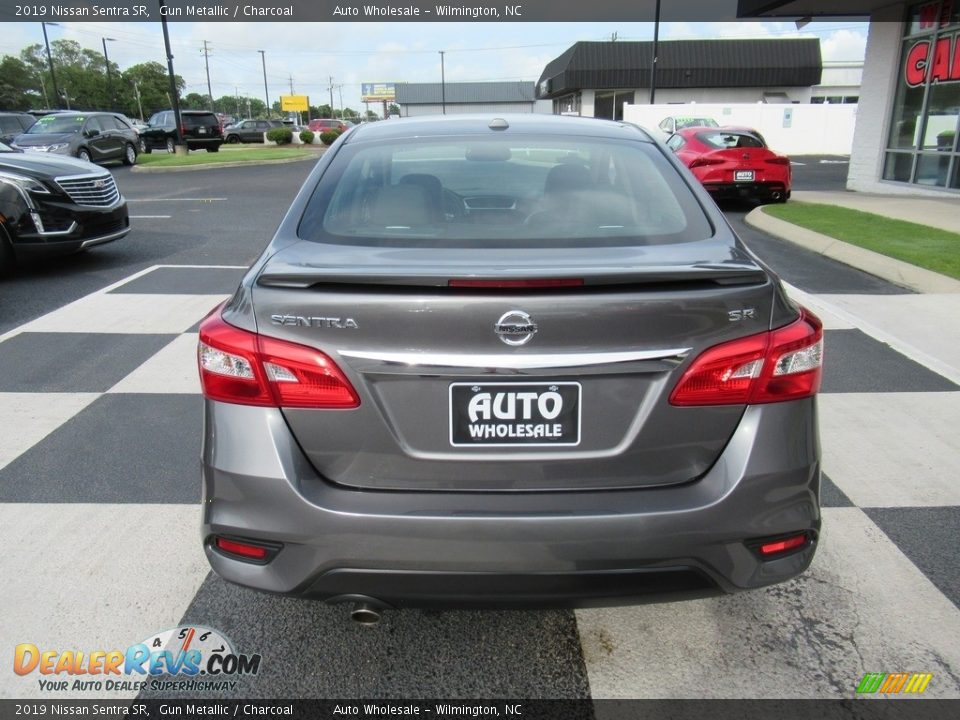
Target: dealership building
{"x":908,"y":116}
{"x":595,"y":79}
{"x":417,"y":99}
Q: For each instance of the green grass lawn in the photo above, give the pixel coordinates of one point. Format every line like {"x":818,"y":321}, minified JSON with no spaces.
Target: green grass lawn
{"x":161,"y":158}
{"x":924,"y":246}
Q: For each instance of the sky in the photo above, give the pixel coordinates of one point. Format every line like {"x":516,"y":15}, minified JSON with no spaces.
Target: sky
{"x":354,"y":53}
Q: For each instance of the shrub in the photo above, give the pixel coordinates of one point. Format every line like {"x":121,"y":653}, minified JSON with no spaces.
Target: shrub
{"x":280,"y":135}
{"x":306,"y":136}
{"x":328,"y":136}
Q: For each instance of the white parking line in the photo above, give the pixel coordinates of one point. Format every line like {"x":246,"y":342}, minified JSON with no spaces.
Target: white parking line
{"x":210,"y":199}
{"x":112,"y":286}
{"x":144,"y":217}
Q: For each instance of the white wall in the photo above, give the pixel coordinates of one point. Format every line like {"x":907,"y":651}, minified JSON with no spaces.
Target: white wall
{"x":814,"y":129}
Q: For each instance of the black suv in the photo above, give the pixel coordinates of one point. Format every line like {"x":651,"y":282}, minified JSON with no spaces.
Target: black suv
{"x":51,"y":204}
{"x":200,"y":130}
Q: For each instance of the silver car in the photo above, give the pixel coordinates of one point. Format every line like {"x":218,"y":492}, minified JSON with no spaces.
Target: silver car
{"x":514,"y":361}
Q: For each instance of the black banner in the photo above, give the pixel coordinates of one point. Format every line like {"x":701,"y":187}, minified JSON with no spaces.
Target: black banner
{"x":874,"y":709}
{"x":370,"y":11}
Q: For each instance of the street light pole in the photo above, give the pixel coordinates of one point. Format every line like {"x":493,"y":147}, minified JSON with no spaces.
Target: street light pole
{"x":266,"y":92}
{"x":443,"y":87}
{"x":174,"y":97}
{"x":106,"y":60}
{"x":653,"y":67}
{"x":53,"y":75}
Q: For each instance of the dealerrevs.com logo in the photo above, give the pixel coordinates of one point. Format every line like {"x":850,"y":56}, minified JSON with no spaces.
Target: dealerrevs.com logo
{"x":190,"y":658}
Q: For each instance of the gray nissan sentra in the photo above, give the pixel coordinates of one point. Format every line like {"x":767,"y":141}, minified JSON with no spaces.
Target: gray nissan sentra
{"x":508,"y":361}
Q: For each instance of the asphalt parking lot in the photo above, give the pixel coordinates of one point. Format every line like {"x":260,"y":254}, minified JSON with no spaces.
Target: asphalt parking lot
{"x":99,"y":495}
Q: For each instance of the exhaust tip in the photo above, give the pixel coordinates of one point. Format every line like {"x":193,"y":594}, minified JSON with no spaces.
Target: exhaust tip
{"x":366,"y":615}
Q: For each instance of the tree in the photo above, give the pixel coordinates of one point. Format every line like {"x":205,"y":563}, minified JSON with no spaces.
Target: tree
{"x":372,"y":116}
{"x":394,"y":109}
{"x":195,"y":101}
{"x":154,"y":84}
{"x":81,"y":75}
{"x":17,"y":85}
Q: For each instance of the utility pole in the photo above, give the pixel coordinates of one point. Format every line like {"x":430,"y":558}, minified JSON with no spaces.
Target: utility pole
{"x":136,"y":91}
{"x":53,"y":75}
{"x":340,"y":92}
{"x":206,"y":60}
{"x":443,"y":85}
{"x":266,"y":92}
{"x":331,"y":97}
{"x":653,"y":67}
{"x":106,"y":60}
{"x":174,"y":97}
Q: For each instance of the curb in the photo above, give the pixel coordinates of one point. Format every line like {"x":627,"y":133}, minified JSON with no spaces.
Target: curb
{"x":213,"y":166}
{"x":896,"y":271}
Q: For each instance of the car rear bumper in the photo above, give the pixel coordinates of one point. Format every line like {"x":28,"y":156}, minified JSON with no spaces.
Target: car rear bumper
{"x":754,"y":191}
{"x":509,"y":549}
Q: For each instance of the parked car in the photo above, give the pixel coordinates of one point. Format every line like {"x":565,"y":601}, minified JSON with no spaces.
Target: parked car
{"x":734,"y":163}
{"x":53,"y":205}
{"x":199,"y":129}
{"x":673,"y":123}
{"x":91,"y":136}
{"x":250,"y":130}
{"x":13,"y":124}
{"x":321,"y":125}
{"x":515,"y":361}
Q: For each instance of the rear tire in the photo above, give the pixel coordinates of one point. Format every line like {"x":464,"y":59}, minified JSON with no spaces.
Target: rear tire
{"x":129,"y":155}
{"x":213,"y":148}
{"x":233,"y":139}
{"x":83,"y":154}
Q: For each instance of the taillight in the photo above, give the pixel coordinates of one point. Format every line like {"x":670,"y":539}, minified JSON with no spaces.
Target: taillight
{"x":778,"y":547}
{"x":183,"y":131}
{"x":244,"y":368}
{"x":778,"y":160}
{"x":782,"y":364}
{"x":253,"y":551}
{"x":702,"y":161}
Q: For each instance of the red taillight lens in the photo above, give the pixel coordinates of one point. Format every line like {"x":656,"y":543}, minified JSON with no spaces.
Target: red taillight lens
{"x":245,"y":550}
{"x":520,"y":283}
{"x":702,"y":161}
{"x":783,"y":364}
{"x":183,"y":130}
{"x":778,"y":160}
{"x":777,"y":547}
{"x":244,"y":368}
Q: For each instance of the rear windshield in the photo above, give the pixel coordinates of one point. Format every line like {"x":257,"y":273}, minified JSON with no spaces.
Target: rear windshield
{"x":192,"y":121}
{"x":57,"y":124}
{"x":519,"y":191}
{"x":724,"y":140}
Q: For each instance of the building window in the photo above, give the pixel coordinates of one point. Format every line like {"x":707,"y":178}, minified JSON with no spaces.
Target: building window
{"x":609,"y":104}
{"x":567,"y":105}
{"x":922,"y":143}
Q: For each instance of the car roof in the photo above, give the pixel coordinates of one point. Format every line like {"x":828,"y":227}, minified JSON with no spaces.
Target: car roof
{"x":480,"y":124}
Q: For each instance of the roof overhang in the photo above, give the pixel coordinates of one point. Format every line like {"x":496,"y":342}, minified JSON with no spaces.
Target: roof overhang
{"x":808,"y":8}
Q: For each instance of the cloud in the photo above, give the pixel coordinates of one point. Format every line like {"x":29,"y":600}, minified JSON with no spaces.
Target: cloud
{"x":844,"y":45}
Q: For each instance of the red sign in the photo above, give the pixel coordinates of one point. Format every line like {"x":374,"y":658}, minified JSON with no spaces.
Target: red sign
{"x":944,"y":66}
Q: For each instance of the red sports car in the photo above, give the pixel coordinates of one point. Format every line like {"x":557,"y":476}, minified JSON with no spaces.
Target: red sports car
{"x":733,"y":163}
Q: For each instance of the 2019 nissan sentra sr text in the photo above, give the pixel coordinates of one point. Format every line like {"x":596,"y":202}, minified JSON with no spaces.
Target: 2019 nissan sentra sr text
{"x":518,"y":361}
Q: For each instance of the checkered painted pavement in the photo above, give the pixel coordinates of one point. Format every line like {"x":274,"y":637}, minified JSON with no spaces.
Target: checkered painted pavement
{"x":100,"y":417}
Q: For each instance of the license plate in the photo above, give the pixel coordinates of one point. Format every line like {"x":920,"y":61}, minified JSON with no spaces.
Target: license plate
{"x":202,"y":131}
{"x":515,"y":414}
{"x":743,"y":175}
